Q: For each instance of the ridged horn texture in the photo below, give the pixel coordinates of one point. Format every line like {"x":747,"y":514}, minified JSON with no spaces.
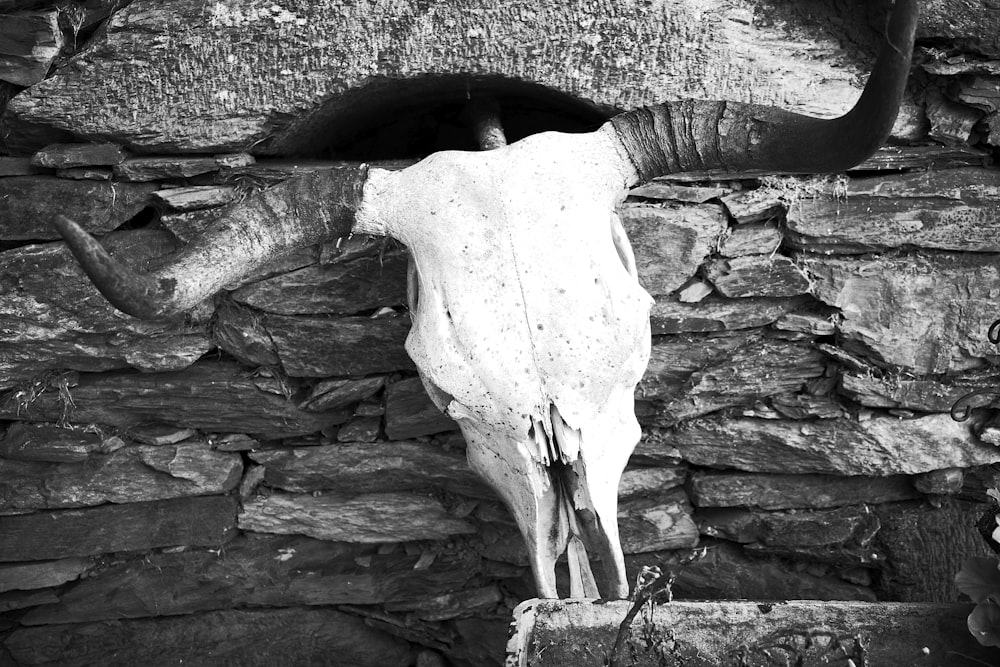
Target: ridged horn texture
{"x":300,"y":211}
{"x":690,"y":135}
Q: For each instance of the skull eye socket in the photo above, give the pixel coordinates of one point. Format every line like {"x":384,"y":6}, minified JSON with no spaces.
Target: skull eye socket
{"x":622,"y":246}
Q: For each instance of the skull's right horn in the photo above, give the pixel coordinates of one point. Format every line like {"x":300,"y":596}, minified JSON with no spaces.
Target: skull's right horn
{"x":687,"y":135}
{"x":300,"y":211}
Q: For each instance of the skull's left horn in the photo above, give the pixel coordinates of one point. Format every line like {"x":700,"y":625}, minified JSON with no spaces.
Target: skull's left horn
{"x":689,"y":135}
{"x":300,"y":211}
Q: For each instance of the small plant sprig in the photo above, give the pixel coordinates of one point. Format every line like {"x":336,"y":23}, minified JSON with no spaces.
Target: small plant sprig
{"x":979,"y":578}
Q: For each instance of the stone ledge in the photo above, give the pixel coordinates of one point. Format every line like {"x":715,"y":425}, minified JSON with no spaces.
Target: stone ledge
{"x":887,"y":634}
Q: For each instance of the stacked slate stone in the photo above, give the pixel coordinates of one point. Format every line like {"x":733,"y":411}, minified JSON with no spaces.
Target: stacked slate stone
{"x":264,"y":479}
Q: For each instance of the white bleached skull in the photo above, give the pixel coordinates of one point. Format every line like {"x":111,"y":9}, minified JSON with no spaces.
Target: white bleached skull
{"x":529,"y":326}
{"x":530,"y":329}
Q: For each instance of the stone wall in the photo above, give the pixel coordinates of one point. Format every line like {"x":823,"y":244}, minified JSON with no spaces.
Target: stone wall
{"x":264,"y":481}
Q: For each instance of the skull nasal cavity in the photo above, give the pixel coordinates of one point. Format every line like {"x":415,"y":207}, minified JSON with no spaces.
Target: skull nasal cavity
{"x":415,"y":117}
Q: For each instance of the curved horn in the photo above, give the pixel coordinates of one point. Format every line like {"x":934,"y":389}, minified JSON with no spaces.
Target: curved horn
{"x":694,"y":136}
{"x":300,"y":211}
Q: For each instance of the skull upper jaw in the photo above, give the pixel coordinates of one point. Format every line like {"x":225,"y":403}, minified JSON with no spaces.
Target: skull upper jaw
{"x":562,"y":506}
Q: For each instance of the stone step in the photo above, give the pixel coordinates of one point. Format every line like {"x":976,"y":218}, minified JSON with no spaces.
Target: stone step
{"x":887,"y":634}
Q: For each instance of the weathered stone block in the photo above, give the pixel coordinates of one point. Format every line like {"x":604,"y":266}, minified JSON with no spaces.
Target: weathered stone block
{"x":777,"y":491}
{"x":364,"y":519}
{"x":410,"y":413}
{"x":54,"y":318}
{"x":321,"y":346}
{"x":671,"y":241}
{"x":208,"y":521}
{"x":42,"y":574}
{"x":357,"y":467}
{"x":236,"y":89}
{"x":924,"y":547}
{"x":928,"y":314}
{"x":715,"y":313}
{"x":757,"y":275}
{"x":256,"y":570}
{"x":28,"y":203}
{"x":841,"y":536}
{"x":127,"y":475}
{"x":209,"y":396}
{"x":877,"y":446}
{"x":345,"y":288}
{"x":752,"y":239}
{"x":656,"y":523}
{"x":695,"y":375}
{"x":582,"y":632}
{"x":273,"y":636}
{"x":952,"y":209}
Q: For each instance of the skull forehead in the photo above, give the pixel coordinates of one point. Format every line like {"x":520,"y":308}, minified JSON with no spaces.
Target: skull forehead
{"x":537,"y":177}
{"x":506,"y":349}
{"x":523,"y":299}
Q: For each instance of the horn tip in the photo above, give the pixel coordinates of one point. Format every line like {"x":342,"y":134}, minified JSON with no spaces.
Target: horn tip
{"x":132,"y":293}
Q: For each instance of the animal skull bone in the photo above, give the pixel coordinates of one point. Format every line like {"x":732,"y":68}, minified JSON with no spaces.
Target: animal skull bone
{"x":529,"y":329}
{"x":529,"y":326}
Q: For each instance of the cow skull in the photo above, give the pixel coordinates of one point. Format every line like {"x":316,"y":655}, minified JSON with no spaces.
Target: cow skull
{"x":529,"y":326}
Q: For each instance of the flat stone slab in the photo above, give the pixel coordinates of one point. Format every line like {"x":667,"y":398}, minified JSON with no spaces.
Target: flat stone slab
{"x":744,"y":634}
{"x":186,"y":76}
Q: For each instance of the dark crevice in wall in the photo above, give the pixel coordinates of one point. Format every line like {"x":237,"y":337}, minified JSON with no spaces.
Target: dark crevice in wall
{"x":388,"y":120}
